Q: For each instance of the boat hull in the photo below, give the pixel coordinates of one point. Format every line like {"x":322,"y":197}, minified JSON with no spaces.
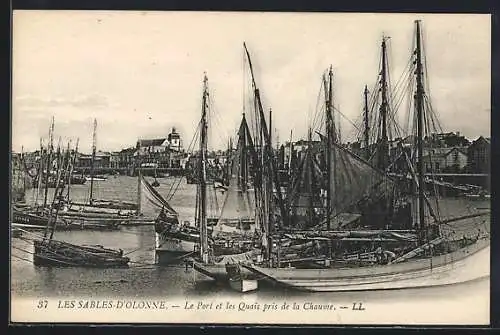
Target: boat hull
{"x":243,"y":285}
{"x":219,"y":273}
{"x":464,"y":265}
{"x":61,"y":254}
{"x":170,"y":250}
{"x":28,"y":219}
{"x":64,"y":223}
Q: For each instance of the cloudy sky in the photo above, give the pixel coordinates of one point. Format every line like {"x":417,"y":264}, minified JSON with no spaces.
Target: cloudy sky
{"x":140,"y":73}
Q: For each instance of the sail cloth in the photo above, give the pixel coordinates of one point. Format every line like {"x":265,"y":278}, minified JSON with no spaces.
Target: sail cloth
{"x":238,"y":210}
{"x":304,"y":195}
{"x":354,"y":180}
{"x":150,"y":197}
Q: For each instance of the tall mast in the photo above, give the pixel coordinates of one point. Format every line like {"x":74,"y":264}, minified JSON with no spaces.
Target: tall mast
{"x":91,"y":199}
{"x":58,"y":194}
{"x":229,"y":160}
{"x":309,"y":179}
{"x":242,"y":142}
{"x":291,"y":152}
{"x":367,"y":124}
{"x":202,"y":173}
{"x":420,"y":115}
{"x":330,"y":135}
{"x":270,"y":127}
{"x":50,"y":148}
{"x":73,"y":159}
{"x":23,"y":169}
{"x":384,"y":159}
{"x":69,"y":162}
{"x":139,"y":191}
{"x":271,"y":163}
{"x":40,"y":174}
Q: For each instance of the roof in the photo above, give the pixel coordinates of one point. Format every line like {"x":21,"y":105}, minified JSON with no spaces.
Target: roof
{"x":482,"y":139}
{"x":462,"y":150}
{"x":128,"y":150}
{"x":151,"y":142}
{"x":443,"y":152}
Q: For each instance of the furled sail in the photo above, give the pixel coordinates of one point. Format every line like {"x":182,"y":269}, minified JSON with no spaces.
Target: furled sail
{"x":152,"y":200}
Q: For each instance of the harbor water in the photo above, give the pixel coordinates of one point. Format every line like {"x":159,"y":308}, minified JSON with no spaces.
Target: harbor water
{"x":143,"y":279}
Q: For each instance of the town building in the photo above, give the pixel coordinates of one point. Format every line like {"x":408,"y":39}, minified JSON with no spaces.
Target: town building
{"x":174,"y":139}
{"x":445,"y":160}
{"x":145,"y":147}
{"x":448,"y":140}
{"x":160,"y":152}
{"x":126,"y":158}
{"x":101,"y":161}
{"x":478,"y":156}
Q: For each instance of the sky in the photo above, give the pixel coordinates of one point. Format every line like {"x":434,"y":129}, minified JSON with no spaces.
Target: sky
{"x":140,"y":73}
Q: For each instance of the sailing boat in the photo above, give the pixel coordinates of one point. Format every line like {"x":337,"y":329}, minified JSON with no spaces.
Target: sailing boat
{"x":96,"y":206}
{"x":51,"y":252}
{"x":225,"y":265}
{"x":73,"y":216}
{"x":175,"y":242}
{"x":233,"y":238}
{"x":405,"y":258}
{"x":238,"y":210}
{"x":155,"y":183}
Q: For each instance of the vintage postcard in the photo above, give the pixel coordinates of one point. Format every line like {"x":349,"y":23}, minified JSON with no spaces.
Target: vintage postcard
{"x":250,"y":168}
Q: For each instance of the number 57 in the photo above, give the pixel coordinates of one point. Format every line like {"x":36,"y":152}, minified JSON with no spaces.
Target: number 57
{"x":42,"y":304}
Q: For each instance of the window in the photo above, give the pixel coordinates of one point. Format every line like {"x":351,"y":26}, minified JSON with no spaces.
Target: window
{"x":437,"y":166}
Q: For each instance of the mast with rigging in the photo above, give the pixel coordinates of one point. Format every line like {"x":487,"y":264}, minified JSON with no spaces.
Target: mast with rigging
{"x":384,"y":109}
{"x":420,"y":115}
{"x":330,"y":136}
{"x":269,"y":171}
{"x":202,"y":185}
{"x":92,"y":162}
{"x":366,"y":124}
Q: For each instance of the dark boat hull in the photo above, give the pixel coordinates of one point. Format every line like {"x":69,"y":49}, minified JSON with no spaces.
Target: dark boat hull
{"x":57,"y":253}
{"x":28,"y":220}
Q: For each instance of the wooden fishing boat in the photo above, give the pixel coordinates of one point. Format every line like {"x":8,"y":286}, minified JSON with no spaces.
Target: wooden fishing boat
{"x":51,"y":252}
{"x":233,"y":239}
{"x":106,"y":204}
{"x":28,"y":219}
{"x":466,"y":264}
{"x":174,"y":241}
{"x":58,"y":253}
{"x":243,"y":285}
{"x":31,"y":218}
{"x":345,"y":259}
{"x":238,"y":281}
{"x":217,"y":267}
{"x":98,"y":205}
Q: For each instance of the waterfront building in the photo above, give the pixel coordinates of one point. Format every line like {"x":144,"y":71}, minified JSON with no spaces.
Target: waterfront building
{"x":478,"y":155}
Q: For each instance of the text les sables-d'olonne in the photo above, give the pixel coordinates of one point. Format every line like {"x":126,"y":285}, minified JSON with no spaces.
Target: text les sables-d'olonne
{"x":201,"y":305}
